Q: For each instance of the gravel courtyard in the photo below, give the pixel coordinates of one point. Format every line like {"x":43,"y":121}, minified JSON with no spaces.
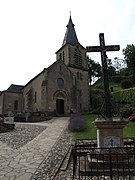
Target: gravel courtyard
{"x":34,"y":151}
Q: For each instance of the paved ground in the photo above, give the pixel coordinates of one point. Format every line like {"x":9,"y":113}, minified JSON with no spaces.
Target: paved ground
{"x":37,"y":154}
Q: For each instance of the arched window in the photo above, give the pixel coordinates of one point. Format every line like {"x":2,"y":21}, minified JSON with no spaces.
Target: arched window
{"x":77,"y":56}
{"x":60,"y":82}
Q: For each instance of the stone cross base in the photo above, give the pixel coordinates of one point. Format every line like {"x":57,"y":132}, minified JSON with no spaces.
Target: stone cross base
{"x":110,"y":132}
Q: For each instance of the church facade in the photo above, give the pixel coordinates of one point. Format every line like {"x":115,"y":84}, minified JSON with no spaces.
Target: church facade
{"x":61,"y":87}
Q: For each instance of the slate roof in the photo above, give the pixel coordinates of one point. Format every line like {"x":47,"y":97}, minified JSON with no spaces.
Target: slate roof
{"x":70,"y":35}
{"x":15,"y":88}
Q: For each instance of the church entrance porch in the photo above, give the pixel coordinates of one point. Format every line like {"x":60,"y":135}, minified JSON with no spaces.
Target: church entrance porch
{"x":60,"y":106}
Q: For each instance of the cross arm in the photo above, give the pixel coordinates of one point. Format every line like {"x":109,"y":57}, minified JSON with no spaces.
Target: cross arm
{"x":100,"y":49}
{"x":93,"y":48}
{"x":112,"y":48}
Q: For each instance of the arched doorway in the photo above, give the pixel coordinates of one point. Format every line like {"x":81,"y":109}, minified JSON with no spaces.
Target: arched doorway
{"x":60,"y":106}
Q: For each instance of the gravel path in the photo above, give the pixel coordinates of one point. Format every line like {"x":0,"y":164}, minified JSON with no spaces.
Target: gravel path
{"x":21,"y":135}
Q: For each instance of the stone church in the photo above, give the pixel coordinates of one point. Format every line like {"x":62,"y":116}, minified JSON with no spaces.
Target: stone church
{"x":61,"y":87}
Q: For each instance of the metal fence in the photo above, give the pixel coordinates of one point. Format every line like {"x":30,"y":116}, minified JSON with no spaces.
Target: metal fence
{"x":114,"y":163}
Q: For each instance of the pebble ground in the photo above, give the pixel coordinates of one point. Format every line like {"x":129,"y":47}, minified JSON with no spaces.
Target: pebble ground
{"x":34,"y":151}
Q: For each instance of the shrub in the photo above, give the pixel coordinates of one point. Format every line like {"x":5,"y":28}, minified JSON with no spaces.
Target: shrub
{"x":77,"y":122}
{"x":126,"y":96}
{"x":97,"y":98}
{"x":115,"y":79}
{"x":126,"y":84}
{"x":126,"y":112}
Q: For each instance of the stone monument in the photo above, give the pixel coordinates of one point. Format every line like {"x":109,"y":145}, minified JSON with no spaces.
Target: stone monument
{"x":109,"y":129}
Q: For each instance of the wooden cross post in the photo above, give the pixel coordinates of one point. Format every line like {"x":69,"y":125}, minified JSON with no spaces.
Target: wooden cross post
{"x":102,"y":49}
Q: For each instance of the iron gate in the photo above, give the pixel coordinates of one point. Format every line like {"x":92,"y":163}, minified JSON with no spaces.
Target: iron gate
{"x":114,"y":163}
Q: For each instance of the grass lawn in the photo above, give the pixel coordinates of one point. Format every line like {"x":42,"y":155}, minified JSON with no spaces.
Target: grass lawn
{"x":129,"y":130}
{"x":91,"y":131}
{"x":116,"y":87}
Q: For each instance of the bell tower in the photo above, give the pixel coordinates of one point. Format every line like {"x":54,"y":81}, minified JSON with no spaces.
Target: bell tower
{"x":72,"y":53}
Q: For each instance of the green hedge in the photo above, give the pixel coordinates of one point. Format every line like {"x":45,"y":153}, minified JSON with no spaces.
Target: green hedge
{"x":120,"y":78}
{"x":126,"y":96}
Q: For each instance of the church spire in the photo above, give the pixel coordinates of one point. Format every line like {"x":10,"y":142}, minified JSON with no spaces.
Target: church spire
{"x":70,"y":35}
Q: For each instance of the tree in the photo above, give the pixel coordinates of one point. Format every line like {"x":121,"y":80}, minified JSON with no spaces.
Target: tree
{"x":111,"y":68}
{"x":129,"y":56}
{"x":111,"y":71}
{"x":124,"y":72}
{"x":126,"y":83}
{"x":94,"y":69}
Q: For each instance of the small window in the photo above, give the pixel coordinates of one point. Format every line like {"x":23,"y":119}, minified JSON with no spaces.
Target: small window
{"x":60,"y":82}
{"x":15,"y":105}
{"x":60,"y":68}
{"x":60,"y":56}
{"x":80,"y":106}
{"x":35,"y":99}
{"x":63,"y":56}
{"x":74,"y":80}
{"x":81,"y":76}
{"x":78,"y":75}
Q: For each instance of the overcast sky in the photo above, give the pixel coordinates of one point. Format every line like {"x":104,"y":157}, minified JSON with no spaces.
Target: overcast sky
{"x":31,"y":31}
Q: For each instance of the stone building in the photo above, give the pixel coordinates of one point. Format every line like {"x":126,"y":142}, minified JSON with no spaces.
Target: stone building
{"x":61,"y":87}
{"x":11,"y":99}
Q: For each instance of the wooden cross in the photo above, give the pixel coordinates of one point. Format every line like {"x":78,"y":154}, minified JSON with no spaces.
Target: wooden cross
{"x":102,"y":49}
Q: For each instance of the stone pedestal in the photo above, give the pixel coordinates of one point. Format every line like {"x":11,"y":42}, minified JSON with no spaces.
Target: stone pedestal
{"x":110,"y":132}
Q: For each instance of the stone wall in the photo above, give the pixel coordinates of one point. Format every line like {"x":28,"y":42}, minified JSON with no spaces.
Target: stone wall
{"x":4,"y":127}
{"x":8,"y":100}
